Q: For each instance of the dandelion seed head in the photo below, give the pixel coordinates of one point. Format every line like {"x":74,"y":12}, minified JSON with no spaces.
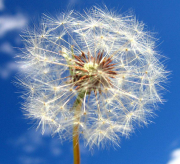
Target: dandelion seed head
{"x":105,"y":62}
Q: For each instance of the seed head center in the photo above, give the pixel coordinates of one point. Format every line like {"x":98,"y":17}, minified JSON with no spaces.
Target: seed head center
{"x":91,"y":67}
{"x":93,"y":73}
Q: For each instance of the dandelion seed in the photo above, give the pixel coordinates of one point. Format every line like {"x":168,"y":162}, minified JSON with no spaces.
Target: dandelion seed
{"x":95,"y":75}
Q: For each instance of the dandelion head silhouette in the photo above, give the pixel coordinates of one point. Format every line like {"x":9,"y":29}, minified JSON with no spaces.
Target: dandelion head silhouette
{"x":104,"y":62}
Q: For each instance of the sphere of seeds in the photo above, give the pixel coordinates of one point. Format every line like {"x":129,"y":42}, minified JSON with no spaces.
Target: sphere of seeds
{"x":105,"y":61}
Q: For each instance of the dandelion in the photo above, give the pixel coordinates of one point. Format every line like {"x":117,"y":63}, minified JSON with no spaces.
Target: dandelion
{"x":95,"y":76}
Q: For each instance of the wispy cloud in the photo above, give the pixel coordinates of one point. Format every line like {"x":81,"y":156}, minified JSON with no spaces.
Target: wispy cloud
{"x":31,"y":144}
{"x":6,"y":48}
{"x":73,"y":1}
{"x":31,"y":160}
{"x":9,"y":23}
{"x":34,"y":140}
{"x":2,"y":5}
{"x":7,"y":69}
{"x":175,"y":157}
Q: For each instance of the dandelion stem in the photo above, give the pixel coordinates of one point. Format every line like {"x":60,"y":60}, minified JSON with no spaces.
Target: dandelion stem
{"x":76,"y":149}
{"x":77,"y":107}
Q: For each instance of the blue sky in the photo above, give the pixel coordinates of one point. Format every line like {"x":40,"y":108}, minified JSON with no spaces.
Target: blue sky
{"x":20,"y":143}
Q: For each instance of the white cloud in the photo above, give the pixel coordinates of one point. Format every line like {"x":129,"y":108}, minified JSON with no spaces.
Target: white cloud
{"x":175,"y":157}
{"x":32,"y":142}
{"x":10,"y":23}
{"x":6,"y":48}
{"x":73,"y":2}
{"x":31,"y":160}
{"x":2,"y":5}
{"x":55,"y":150}
{"x":29,"y":142}
{"x":84,"y":150}
{"x":8,"y":69}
